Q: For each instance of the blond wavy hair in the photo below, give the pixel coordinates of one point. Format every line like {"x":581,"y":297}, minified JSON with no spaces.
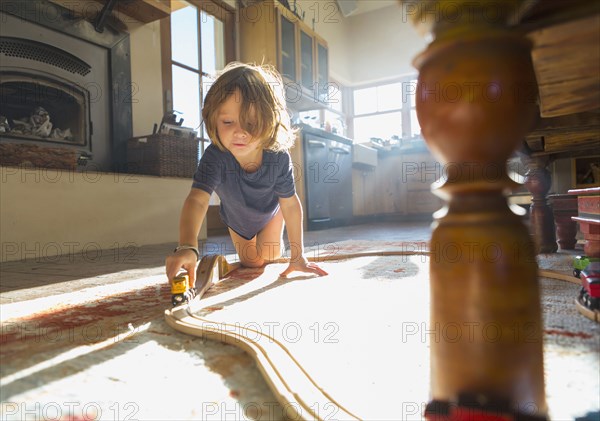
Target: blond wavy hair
{"x":263,"y":111}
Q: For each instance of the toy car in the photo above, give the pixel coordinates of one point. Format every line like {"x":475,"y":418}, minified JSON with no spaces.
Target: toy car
{"x":180,"y":291}
{"x":589,"y":295}
{"x":579,"y":264}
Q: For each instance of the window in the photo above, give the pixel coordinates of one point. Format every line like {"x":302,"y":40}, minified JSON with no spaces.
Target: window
{"x":200,"y":44}
{"x":386,"y":110}
{"x":331,"y":118}
{"x":410,"y":92}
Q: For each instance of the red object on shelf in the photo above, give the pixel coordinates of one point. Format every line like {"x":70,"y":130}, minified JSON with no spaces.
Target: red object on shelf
{"x":588,"y":204}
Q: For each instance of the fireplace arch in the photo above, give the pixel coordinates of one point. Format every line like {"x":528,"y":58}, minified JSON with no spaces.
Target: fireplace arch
{"x":45,"y":108}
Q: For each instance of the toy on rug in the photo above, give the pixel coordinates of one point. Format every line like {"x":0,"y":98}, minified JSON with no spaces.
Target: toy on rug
{"x":588,"y":300}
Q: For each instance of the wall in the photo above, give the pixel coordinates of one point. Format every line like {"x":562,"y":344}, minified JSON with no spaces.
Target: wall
{"x":562,"y":180}
{"x":71,"y":212}
{"x":46,"y":212}
{"x":368,"y":47}
{"x":146,"y":78}
{"x":384,"y":43}
{"x":146,"y":74}
{"x":334,"y":29}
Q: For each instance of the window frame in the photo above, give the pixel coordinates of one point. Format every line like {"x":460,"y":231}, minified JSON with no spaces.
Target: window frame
{"x":219,"y":10}
{"x":405,"y":109}
{"x":342,"y":113}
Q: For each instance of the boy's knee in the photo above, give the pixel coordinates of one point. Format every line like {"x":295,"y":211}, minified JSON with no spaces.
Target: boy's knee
{"x":271,"y":251}
{"x":255,"y":256}
{"x":253,"y":263}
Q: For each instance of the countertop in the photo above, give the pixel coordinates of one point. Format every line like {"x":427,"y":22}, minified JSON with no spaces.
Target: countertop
{"x":305,"y":128}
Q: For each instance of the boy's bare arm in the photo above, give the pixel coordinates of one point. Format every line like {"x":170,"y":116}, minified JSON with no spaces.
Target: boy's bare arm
{"x":292,"y":214}
{"x":192,"y":215}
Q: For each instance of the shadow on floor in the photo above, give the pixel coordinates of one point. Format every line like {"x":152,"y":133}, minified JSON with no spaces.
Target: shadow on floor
{"x":100,"y":267}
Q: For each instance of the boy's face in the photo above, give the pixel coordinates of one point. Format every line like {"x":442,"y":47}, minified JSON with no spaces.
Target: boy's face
{"x":232,"y":135}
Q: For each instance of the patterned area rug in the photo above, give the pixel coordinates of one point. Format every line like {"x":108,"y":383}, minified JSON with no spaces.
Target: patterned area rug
{"x":106,"y":353}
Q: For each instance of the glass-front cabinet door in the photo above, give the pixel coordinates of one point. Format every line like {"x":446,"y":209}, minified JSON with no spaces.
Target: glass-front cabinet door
{"x":288,"y":48}
{"x":322,"y":71}
{"x":306,"y":60}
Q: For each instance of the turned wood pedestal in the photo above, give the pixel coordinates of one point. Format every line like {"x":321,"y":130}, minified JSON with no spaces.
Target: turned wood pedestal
{"x":474,"y":106}
{"x":538,"y":181}
{"x":564,"y":208}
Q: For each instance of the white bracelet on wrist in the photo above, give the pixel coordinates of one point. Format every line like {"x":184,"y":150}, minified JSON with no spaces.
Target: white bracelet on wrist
{"x":188,"y":247}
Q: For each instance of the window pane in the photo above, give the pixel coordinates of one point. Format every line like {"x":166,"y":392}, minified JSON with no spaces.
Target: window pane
{"x":415,"y":128}
{"x":383,"y":126}
{"x":207,"y":82}
{"x":337,"y":122}
{"x":184,"y":36}
{"x":365,"y":101}
{"x":213,"y":43}
{"x":410,"y":92}
{"x":186,"y":96}
{"x":312,"y":118}
{"x":334,"y":97}
{"x":389,"y":97}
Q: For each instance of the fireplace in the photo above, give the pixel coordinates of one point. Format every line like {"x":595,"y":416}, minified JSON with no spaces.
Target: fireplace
{"x":38,"y":108}
{"x":63,"y":87}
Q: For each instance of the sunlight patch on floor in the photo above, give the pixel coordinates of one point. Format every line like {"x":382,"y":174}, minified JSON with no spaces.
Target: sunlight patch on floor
{"x":49,"y":302}
{"x":68,"y":355}
{"x":571,"y":389}
{"x":147,"y":381}
{"x":368,"y":317}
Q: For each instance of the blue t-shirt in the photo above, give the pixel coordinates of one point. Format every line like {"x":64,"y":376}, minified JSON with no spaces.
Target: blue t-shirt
{"x":249,"y":200}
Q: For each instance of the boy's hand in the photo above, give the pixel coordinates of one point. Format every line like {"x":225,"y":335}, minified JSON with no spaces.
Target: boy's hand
{"x":303,"y":265}
{"x":183,"y":259}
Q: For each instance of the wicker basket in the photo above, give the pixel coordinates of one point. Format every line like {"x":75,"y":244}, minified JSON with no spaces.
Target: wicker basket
{"x":162,"y":155}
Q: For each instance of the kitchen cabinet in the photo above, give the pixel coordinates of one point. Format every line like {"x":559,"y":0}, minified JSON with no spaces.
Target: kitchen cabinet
{"x":403,"y":181}
{"x":271,"y":34}
{"x":419,"y":171}
{"x":286,"y":55}
{"x":322,"y":68}
{"x":323,"y":175}
{"x":388,"y":192}
{"x":328,"y":179}
{"x":364,"y":190}
{"x":307,"y":54}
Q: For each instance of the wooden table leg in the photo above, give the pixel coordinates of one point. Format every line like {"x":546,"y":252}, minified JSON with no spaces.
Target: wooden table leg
{"x":473,"y":115}
{"x":564,"y":207}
